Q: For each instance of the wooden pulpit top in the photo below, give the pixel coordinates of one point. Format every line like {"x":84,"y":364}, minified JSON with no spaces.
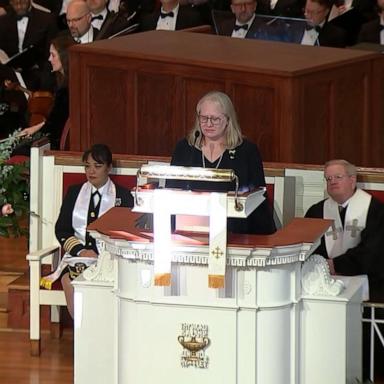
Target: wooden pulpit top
{"x":211,"y":51}
{"x":119,"y":223}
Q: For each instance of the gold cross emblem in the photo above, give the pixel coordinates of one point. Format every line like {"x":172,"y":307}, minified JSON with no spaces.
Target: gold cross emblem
{"x":354,"y":228}
{"x":334,"y":232}
{"x":217,"y":252}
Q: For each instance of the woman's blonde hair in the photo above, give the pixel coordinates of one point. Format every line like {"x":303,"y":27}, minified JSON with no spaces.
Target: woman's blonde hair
{"x":233,"y":136}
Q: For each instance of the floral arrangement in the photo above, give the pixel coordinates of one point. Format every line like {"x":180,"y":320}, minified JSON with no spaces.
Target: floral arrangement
{"x":14,"y":188}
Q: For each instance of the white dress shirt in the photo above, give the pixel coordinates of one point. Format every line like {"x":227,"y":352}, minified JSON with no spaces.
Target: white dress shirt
{"x":168,"y":23}
{"x":241,"y":33}
{"x":21,"y":29}
{"x":311,"y":36}
{"x":87,"y":37}
{"x":98,"y":23}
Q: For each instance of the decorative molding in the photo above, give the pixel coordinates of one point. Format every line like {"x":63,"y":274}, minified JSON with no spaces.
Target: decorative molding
{"x":316,"y":278}
{"x":103,"y":270}
{"x":198,"y":255}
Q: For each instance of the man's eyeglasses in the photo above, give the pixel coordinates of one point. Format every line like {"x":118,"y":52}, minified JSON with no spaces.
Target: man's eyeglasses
{"x":214,"y":120}
{"x":328,"y":179}
{"x":76,"y":19}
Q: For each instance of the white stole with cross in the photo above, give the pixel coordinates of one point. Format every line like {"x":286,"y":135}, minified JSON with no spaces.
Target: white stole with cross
{"x":80,"y":211}
{"x":339,"y":240}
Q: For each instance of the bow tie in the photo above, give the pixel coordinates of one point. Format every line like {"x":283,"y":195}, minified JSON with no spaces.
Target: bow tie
{"x":21,"y":17}
{"x":98,"y":17}
{"x":238,"y":27}
{"x":309,"y":27}
{"x":164,"y":15}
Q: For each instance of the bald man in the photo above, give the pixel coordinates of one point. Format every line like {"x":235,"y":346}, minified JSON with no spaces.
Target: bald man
{"x":79,"y":22}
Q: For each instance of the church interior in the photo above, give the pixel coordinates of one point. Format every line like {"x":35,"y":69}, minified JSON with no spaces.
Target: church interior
{"x":174,"y":203}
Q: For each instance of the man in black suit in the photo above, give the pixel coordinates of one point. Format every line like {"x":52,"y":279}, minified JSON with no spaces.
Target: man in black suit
{"x":284,"y":8}
{"x":99,"y":12}
{"x":79,"y":22}
{"x":108,"y":22}
{"x":172,"y":16}
{"x":240,"y":25}
{"x":319,"y":31}
{"x":373,"y":31}
{"x":22,"y":27}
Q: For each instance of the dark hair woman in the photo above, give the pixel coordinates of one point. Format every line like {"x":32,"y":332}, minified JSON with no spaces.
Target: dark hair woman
{"x":58,"y":116}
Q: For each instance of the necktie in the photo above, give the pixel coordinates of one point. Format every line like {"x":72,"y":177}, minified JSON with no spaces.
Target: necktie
{"x":342,"y":211}
{"x":96,"y":198}
{"x":98,"y":17}
{"x":309,"y":27}
{"x":238,"y":27}
{"x":163,"y":15}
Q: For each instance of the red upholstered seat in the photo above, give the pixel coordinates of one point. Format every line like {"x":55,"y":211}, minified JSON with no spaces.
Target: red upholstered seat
{"x":379,"y":195}
{"x":18,"y":159}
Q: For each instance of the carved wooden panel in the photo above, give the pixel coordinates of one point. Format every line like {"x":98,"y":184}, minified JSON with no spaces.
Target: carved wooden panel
{"x":299,"y":104}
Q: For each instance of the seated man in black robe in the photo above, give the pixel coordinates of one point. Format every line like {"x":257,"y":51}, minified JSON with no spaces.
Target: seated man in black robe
{"x":355,"y":244}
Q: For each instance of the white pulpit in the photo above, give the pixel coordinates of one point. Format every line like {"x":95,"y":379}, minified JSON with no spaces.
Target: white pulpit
{"x":261,"y":328}
{"x":258,"y":329}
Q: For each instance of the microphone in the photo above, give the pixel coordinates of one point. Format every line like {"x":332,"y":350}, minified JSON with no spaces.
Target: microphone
{"x":197,"y":134}
{"x":190,"y":161}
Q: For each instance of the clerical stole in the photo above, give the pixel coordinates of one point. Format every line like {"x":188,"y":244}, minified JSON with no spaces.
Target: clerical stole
{"x":338,"y":240}
{"x":81,"y":209}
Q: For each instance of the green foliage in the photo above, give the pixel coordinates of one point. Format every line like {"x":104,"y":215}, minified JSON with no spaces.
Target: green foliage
{"x":14,"y":189}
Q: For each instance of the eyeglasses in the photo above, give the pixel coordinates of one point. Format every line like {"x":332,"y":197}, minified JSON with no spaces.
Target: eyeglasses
{"x":328,"y":179}
{"x":214,"y":120}
{"x":76,"y":19}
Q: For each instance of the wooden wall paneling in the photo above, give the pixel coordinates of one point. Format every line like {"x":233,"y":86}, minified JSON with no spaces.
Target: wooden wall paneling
{"x":156,"y":102}
{"x":75,"y":101}
{"x":255,"y":107}
{"x":107,"y":94}
{"x":351,"y":90}
{"x":166,"y":73}
{"x":376,"y":129}
{"x":316,"y":111}
{"x":288,"y":140}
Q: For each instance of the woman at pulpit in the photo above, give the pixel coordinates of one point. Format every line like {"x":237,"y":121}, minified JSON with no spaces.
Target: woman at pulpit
{"x":216,"y":141}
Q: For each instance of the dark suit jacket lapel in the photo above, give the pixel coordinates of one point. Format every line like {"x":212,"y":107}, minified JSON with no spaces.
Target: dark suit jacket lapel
{"x":31,"y":28}
{"x":152,"y":21}
{"x":13,"y":38}
{"x":376,"y":32}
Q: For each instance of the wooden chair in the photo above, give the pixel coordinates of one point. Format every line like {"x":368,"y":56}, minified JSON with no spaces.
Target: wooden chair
{"x":49,"y":181}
